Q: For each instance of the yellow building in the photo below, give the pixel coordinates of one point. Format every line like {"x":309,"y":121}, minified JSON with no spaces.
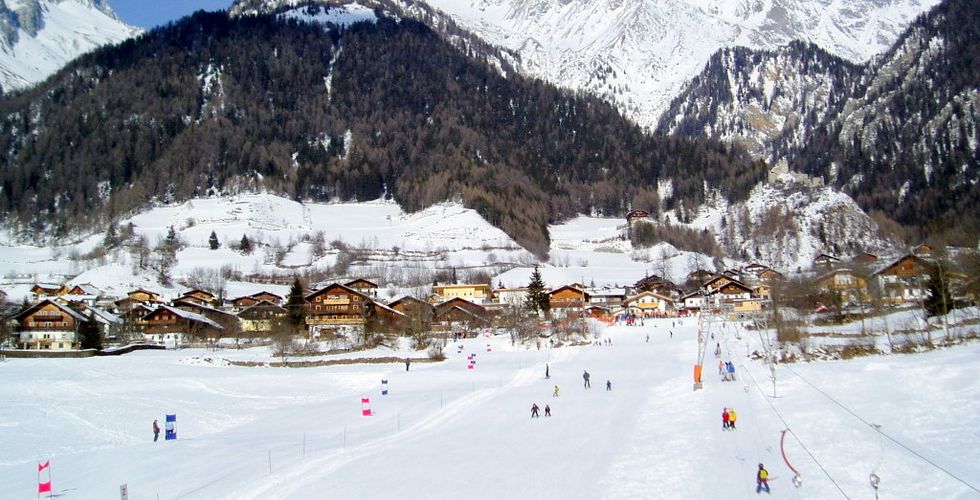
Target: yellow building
{"x":478,"y":294}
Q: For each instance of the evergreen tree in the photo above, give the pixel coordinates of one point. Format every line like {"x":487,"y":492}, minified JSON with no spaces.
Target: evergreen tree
{"x":89,"y":334}
{"x":213,"y":241}
{"x":296,"y":306}
{"x":111,"y":239}
{"x":171,"y":240}
{"x":245,"y":245}
{"x":938,"y":299}
{"x":537,"y":296}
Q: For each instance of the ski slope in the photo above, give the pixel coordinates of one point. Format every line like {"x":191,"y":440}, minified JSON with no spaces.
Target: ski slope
{"x":447,"y":432}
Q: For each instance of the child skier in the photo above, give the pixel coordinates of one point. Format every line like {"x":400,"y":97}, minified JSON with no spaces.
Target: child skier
{"x":555,"y":393}
{"x":724,"y":419}
{"x":762,"y":480}
{"x":731,"y":418}
{"x":534,"y":411}
{"x":156,"y":431}
{"x":547,"y":410}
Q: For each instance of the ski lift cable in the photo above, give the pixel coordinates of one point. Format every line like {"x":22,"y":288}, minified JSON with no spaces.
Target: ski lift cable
{"x":885,"y":434}
{"x":797,"y":438}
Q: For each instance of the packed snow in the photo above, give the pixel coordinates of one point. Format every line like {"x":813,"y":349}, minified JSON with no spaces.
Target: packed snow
{"x":445,"y":431}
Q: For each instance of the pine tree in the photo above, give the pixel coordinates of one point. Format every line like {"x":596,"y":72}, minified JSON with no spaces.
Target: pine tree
{"x":537,"y":297}
{"x":171,"y":240}
{"x":296,"y":306}
{"x":89,"y":334}
{"x":245,"y":245}
{"x":213,"y":241}
{"x":111,"y":239}
{"x":938,"y":299}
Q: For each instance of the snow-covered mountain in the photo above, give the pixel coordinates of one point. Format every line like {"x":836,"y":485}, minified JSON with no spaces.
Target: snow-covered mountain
{"x":37,"y":37}
{"x":639,"y":53}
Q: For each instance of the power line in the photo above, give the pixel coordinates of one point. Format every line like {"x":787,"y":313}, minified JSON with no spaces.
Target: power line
{"x":899,"y":443}
{"x":797,"y":438}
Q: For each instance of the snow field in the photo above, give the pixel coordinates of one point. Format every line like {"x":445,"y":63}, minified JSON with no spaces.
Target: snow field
{"x":448,"y":432}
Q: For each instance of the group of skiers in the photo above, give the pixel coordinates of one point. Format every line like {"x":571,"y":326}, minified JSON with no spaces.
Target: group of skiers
{"x":727,"y":371}
{"x":728,"y":419}
{"x":534,"y":410}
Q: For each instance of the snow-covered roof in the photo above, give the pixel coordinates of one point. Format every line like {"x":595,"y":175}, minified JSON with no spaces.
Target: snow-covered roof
{"x":104,"y":316}
{"x":180,"y":313}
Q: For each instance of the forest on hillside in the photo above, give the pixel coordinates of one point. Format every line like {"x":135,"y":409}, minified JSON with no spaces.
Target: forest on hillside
{"x":213,"y":104}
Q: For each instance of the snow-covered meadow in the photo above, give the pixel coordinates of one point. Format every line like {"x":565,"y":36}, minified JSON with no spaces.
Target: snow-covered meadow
{"x":444,"y":431}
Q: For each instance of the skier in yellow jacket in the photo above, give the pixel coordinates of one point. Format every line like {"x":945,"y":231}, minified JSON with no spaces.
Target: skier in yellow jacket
{"x":731,"y":418}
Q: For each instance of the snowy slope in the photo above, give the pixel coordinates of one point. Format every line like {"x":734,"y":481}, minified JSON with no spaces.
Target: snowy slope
{"x":40,"y":36}
{"x":447,"y":432}
{"x":639,"y":53}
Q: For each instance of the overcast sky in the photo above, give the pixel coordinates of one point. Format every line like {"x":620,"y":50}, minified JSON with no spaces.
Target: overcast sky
{"x":150,"y":13}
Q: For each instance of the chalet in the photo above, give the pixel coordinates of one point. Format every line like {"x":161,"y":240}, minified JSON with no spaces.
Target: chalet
{"x":109,"y":324}
{"x":197,"y":296}
{"x":715,"y":283}
{"x":42,"y":290}
{"x":725,"y":292}
{"x":261,"y":318}
{"x":336,"y":308}
{"x":411,"y":306}
{"x":904,"y":279}
{"x":364,"y":286}
{"x":172,"y":326}
{"x":511,"y":296}
{"x":649,"y":304}
{"x":763,"y":292}
{"x":132,"y":319}
{"x":228,"y":321}
{"x":845,"y":283}
{"x":745,"y":307}
{"x":769,"y":275}
{"x":636,"y":215}
{"x":386,"y":319}
{"x":598,"y":312}
{"x":48,"y":325}
{"x":607,"y":297}
{"x":693,"y":301}
{"x":476,"y":293}
{"x":647,"y":283}
{"x":754,"y":268}
{"x":568,"y":297}
{"x":145,"y":296}
{"x":700,"y":276}
{"x":247,"y":301}
{"x":825,"y":260}
{"x":865,"y":258}
{"x":85,"y":289}
{"x":460,"y":315}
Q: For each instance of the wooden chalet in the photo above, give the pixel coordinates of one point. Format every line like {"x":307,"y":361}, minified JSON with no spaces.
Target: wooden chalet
{"x":647,"y":283}
{"x":845,"y":283}
{"x":42,"y":290}
{"x":261,"y":318}
{"x":609,"y":298}
{"x":864,"y":258}
{"x":712,"y":285}
{"x":754,"y":268}
{"x":171,"y":326}
{"x":635,"y":215}
{"x":598,"y":312}
{"x":649,"y":304}
{"x":145,"y":296}
{"x":228,"y":321}
{"x":471,"y":307}
{"x":460,"y":314}
{"x":568,"y":297}
{"x":196,"y":296}
{"x":386,"y":319}
{"x":247,"y":301}
{"x":770,"y":274}
{"x":85,"y":289}
{"x":700,"y":276}
{"x":411,"y":306}
{"x":904,"y":279}
{"x":364,"y":286}
{"x":825,"y":260}
{"x":763,"y":292}
{"x":693,"y":301}
{"x":48,"y":325}
{"x":336,"y":307}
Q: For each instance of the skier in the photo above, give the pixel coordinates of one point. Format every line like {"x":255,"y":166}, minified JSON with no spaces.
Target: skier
{"x":671,"y":334}
{"x":725,"y":419}
{"x":731,"y":418}
{"x":408,"y":363}
{"x":648,"y":338}
{"x":721,"y":368}
{"x":762,"y":480}
{"x":609,"y":385}
{"x":547,"y":410}
{"x":156,"y":431}
{"x":585,"y":376}
{"x":547,"y":371}
{"x":731,"y":370}
{"x":555,"y":394}
{"x":534,"y":411}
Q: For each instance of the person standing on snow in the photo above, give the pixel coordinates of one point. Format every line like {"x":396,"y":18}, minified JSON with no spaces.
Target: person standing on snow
{"x":609,"y":385}
{"x":547,"y":411}
{"x":547,"y":371}
{"x":762,"y":480}
{"x":585,"y":376}
{"x":731,"y":418}
{"x":724,"y":419}
{"x":534,"y":411}
{"x":156,"y":431}
{"x":648,"y":338}
{"x":721,"y":368}
{"x":555,"y":394}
